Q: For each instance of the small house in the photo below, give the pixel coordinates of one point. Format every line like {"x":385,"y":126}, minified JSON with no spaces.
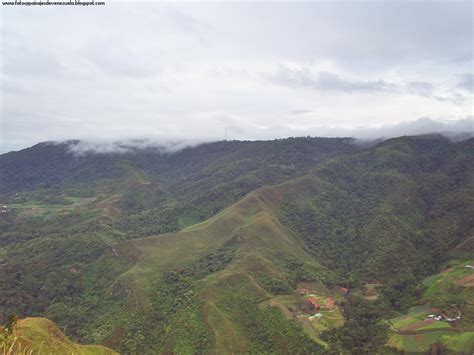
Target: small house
{"x":315,"y":316}
{"x":303,"y":291}
{"x":313,"y":301}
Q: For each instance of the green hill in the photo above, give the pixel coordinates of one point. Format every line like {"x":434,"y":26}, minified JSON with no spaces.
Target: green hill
{"x":389,"y":215}
{"x":158,"y":191}
{"x":207,"y":279}
{"x":446,"y":318}
{"x":41,"y":336}
{"x":328,"y":227}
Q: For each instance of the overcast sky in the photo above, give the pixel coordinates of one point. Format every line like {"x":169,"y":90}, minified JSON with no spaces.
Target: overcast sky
{"x":261,"y":70}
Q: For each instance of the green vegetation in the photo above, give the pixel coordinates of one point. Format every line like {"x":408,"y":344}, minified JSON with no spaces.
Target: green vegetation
{"x":362,"y":333}
{"x":449,"y":295}
{"x":296,"y":307}
{"x":202,"y":250}
{"x":41,"y":336}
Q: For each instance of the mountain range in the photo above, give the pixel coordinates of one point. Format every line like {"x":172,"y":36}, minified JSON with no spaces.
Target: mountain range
{"x":298,"y":245}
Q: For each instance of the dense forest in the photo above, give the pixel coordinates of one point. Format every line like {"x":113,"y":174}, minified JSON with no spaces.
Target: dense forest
{"x":208,"y":248}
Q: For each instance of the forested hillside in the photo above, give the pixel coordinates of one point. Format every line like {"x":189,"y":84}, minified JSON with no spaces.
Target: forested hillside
{"x":160,"y":191}
{"x":212,"y":248}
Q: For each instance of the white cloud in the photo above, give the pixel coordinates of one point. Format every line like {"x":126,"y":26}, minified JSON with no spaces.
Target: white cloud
{"x":263,"y":70}
{"x":459,"y":129}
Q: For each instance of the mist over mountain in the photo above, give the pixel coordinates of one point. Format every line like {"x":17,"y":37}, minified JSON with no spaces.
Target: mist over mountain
{"x":210,"y":248}
{"x":453,"y":129}
{"x":236,"y":177}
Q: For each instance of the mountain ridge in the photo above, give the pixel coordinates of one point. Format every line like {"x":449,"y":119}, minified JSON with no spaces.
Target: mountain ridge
{"x":337,"y":224}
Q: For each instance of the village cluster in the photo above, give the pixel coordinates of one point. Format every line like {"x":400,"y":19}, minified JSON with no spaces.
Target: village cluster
{"x":316,"y":302}
{"x":6,"y":209}
{"x":443,"y":318}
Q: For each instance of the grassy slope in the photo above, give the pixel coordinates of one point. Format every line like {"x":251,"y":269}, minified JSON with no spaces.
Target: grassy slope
{"x":373,"y":206}
{"x":443,"y":294}
{"x":350,"y":215}
{"x":51,"y":255}
{"x":260,"y":243}
{"x":41,"y":336}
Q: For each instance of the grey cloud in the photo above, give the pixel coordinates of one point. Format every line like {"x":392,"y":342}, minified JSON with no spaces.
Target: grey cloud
{"x":303,"y":77}
{"x":455,"y":97}
{"x":301,"y":111}
{"x":115,"y":59}
{"x":325,"y":81}
{"x":330,"y":81}
{"x":456,"y":128}
{"x":367,"y":35}
{"x":12,"y":87}
{"x":231,"y":124}
{"x":467,"y":83}
{"x":430,"y":90}
{"x":187,"y":22}
{"x":169,"y":70}
{"x":423,"y":125}
{"x":299,"y":77}
{"x":421,"y":88}
{"x":20,"y":62}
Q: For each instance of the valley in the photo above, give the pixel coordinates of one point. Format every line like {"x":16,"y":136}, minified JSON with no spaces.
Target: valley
{"x":446,"y":316}
{"x":224,"y":248}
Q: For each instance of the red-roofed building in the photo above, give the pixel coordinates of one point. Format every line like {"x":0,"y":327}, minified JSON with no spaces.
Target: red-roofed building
{"x":313,"y":301}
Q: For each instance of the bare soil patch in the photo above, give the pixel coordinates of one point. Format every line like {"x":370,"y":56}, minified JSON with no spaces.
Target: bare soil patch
{"x":466,"y":280}
{"x":417,"y":325}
